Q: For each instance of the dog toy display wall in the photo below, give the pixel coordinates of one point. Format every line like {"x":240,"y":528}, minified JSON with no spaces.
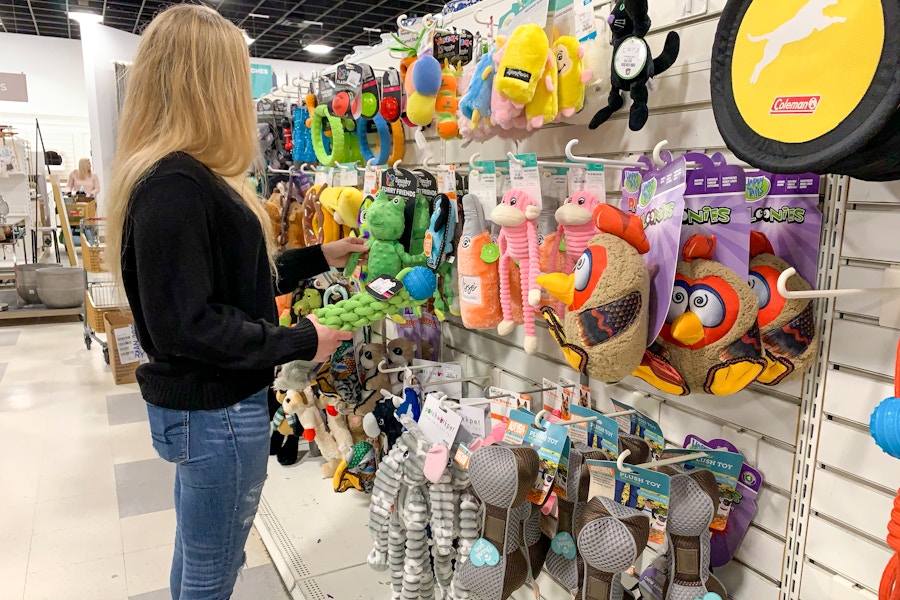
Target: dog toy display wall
{"x":786,"y":115}
{"x":633,"y":63}
{"x":787,"y":327}
{"x":606,"y":295}
{"x":516,"y":216}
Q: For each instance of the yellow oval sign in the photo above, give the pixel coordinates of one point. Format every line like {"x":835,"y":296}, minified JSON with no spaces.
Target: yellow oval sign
{"x":800,"y":67}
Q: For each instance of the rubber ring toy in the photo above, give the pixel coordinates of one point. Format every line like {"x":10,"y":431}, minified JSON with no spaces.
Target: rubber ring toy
{"x":384,"y":139}
{"x":338,"y":147}
{"x":398,"y":143}
{"x":782,"y":106}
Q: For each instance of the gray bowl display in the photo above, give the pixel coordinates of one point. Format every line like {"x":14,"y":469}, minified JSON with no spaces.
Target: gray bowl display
{"x":26,"y":281}
{"x":61,"y":287}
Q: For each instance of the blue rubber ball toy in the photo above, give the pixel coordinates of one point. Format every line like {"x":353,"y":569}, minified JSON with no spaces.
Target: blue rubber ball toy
{"x":420,"y":282}
{"x":885,"y":426}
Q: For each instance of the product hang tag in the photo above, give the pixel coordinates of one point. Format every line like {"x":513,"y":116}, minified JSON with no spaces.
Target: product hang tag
{"x":463,"y":456}
{"x":324,"y":176}
{"x":517,"y":426}
{"x":384,"y":287}
{"x":349,"y":177}
{"x":446,"y":182}
{"x":503,"y":402}
{"x":552,"y":446}
{"x":576,"y":178}
{"x":585,"y":23}
{"x":642,"y":426}
{"x":446,"y":47}
{"x":595,"y":181}
{"x":427,"y":371}
{"x":726,"y":466}
{"x":525,"y":175}
{"x":400,"y":182}
{"x":438,"y":425}
{"x":552,"y":397}
{"x":641,"y":489}
{"x":475,"y":421}
{"x":466,"y":47}
{"x":371,"y":181}
{"x":555,"y":183}
{"x":483,"y":184}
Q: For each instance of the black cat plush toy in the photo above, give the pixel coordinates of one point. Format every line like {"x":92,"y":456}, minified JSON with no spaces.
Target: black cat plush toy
{"x":632,"y":63}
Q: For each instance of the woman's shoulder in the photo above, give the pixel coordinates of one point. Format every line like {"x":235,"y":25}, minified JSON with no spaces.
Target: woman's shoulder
{"x":177,"y":170}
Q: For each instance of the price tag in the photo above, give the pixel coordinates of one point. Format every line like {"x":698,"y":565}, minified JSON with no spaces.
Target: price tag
{"x":324,"y":176}
{"x":595,"y":181}
{"x":371,"y":181}
{"x":585,"y":24}
{"x":384,"y":287}
{"x":349,"y":177}
{"x":503,"y":402}
{"x":524,"y":175}
{"x":462,"y":456}
{"x":484,"y":185}
{"x":439,"y":426}
{"x":475,"y":424}
{"x":446,"y":181}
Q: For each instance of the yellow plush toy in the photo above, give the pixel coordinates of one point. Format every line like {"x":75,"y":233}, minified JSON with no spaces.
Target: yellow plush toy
{"x":522,"y":64}
{"x":544,"y":106}
{"x":573,"y":76}
{"x":340,"y":206}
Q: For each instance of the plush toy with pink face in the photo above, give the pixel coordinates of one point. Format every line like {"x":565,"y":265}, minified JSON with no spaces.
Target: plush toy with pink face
{"x":517,"y":214}
{"x":576,"y":226}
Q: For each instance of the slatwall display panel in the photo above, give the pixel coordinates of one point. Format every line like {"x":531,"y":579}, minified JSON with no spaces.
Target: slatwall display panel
{"x":875,"y":192}
{"x":856,"y":274}
{"x":736,"y":576}
{"x":846,"y":552}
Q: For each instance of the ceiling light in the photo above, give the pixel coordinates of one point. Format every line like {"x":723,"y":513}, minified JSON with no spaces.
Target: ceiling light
{"x":85,"y":17}
{"x":309,"y":23}
{"x":248,"y":39}
{"x":258,"y":16}
{"x":371,"y":30}
{"x":318,"y":48}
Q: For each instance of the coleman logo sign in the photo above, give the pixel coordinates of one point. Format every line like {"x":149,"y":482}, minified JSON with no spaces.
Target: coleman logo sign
{"x":795,"y":105}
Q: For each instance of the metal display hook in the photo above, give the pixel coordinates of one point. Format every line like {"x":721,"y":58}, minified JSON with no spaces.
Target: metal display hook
{"x":677,"y":460}
{"x":539,"y":418}
{"x":597,"y":161}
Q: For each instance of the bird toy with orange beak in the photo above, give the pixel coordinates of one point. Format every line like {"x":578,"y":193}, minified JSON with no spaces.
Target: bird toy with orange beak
{"x":605,"y":329}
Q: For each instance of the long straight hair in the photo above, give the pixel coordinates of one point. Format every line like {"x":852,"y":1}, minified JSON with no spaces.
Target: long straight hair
{"x":188,"y":91}
{"x":84,"y":171}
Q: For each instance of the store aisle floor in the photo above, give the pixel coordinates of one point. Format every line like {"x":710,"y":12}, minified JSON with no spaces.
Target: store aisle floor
{"x":85,"y":504}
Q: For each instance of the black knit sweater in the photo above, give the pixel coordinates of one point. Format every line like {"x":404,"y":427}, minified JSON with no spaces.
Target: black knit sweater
{"x":199,"y":284}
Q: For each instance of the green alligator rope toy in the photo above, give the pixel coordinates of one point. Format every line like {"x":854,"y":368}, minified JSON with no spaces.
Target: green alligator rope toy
{"x":362,"y":309}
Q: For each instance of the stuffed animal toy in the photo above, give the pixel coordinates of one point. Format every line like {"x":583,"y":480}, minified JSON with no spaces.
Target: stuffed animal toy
{"x":338,"y":225}
{"x":516,"y":216}
{"x":632,"y":63}
{"x":295,"y":235}
{"x":576,"y":228}
{"x":309,"y":301}
{"x":522,"y":64}
{"x":573,"y":76}
{"x":422,"y":83}
{"x":476,"y":103}
{"x":309,"y":416}
{"x":543,"y":107}
{"x":287,"y":424}
{"x":605,"y":329}
{"x":505,"y":113}
{"x":787,"y":327}
{"x":447,"y":103}
{"x":273,"y":210}
{"x":711,"y":337}
{"x":357,"y":470}
{"x":478,"y":304}
{"x":343,"y":204}
{"x":386,"y":221}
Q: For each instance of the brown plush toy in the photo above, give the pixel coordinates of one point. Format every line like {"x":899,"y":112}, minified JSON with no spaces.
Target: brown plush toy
{"x":710,"y":342}
{"x":605,"y":329}
{"x":273,"y":209}
{"x":295,"y":236}
{"x":400,"y":353}
{"x":787,"y":327}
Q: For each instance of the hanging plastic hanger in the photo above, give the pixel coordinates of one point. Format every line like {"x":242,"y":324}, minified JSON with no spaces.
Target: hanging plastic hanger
{"x":472,"y":165}
{"x":606,"y":162}
{"x":794,"y":295}
{"x":620,"y":463}
{"x":535,"y":391}
{"x":540,"y":417}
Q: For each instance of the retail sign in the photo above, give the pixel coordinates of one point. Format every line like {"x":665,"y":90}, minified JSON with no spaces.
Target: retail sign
{"x":262,"y":79}
{"x":13,"y":87}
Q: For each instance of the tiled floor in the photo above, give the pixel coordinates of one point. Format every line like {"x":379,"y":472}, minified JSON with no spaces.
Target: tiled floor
{"x":85,"y":504}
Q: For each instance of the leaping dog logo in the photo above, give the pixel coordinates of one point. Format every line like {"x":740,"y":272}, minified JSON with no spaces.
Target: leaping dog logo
{"x":808,"y":20}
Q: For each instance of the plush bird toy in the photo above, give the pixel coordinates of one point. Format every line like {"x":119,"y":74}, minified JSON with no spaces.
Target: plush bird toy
{"x":710,"y":341}
{"x":787,"y":327}
{"x":605,"y":329}
{"x":633,"y":63}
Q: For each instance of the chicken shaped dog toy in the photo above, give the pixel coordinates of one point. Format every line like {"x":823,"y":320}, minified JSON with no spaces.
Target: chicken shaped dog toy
{"x":605,"y":329}
{"x":516,"y":215}
{"x":710,"y":342}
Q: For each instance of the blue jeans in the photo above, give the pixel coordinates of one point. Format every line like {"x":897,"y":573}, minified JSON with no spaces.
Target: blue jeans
{"x":221,"y":458}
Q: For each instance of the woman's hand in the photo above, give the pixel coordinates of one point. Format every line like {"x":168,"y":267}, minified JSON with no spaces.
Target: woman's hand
{"x":338,"y":253}
{"x":329,"y":339}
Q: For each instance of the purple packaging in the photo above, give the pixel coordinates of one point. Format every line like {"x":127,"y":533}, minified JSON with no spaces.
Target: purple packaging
{"x":785,"y":208}
{"x":657,"y":197}
{"x":715,"y":205}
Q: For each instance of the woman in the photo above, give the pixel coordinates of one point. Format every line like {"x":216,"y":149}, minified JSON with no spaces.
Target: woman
{"x":197,"y":265}
{"x":83,"y":179}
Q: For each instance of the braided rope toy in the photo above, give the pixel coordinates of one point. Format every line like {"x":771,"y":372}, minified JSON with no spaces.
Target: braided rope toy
{"x":362,"y":309}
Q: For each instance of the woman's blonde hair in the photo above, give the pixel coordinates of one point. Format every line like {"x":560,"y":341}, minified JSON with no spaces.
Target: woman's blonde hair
{"x":84,"y":171}
{"x":188,"y":90}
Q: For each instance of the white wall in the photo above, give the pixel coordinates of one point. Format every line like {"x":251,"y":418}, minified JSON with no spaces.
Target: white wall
{"x":56,"y":93}
{"x":101,"y":47}
{"x":293,"y":69}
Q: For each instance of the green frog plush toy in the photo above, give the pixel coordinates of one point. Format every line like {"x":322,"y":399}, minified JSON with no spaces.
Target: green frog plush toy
{"x":385,"y":221}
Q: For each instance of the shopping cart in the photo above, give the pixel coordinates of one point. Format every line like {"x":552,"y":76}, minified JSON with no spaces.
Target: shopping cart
{"x":101,"y":294}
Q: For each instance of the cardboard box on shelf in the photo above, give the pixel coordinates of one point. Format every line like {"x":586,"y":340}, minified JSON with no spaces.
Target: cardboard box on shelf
{"x":125,"y":352}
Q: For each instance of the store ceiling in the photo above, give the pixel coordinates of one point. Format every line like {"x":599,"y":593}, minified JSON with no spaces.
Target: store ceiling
{"x":281,"y":28}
